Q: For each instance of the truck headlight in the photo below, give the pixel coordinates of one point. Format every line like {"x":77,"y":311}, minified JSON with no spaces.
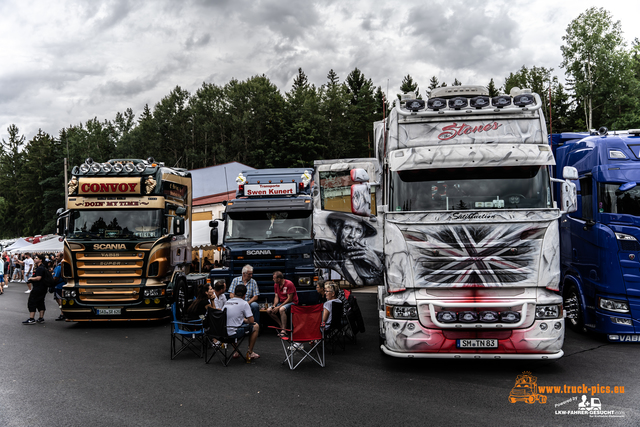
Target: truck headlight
{"x":69,"y":294}
{"x":304,"y":281}
{"x":613,"y":305}
{"x":406,"y":312}
{"x":548,"y":311}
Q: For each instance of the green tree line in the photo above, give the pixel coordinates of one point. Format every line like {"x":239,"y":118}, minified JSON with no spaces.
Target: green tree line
{"x":253,"y":122}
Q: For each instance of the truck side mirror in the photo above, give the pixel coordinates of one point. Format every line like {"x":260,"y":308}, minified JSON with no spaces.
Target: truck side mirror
{"x":361,"y":199}
{"x":213,"y":236}
{"x":60,"y":229}
{"x":569,"y":172}
{"x":178,"y":226}
{"x":359,"y":175}
{"x":569,"y":197}
{"x":181,"y":210}
{"x":213,"y":224}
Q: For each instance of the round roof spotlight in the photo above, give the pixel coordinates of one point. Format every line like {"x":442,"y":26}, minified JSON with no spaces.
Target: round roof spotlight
{"x":117,"y":167}
{"x":458,"y":102}
{"x":415,"y":105}
{"x":106,"y":167}
{"x":479,"y":102}
{"x":603,"y":131}
{"x":84,"y":168}
{"x":140,"y":167}
{"x":88,"y":160}
{"x":523,"y":100}
{"x":151,"y":160}
{"x":129,"y":167}
{"x":436,"y":104}
{"x":501,"y":101}
{"x":95,"y":167}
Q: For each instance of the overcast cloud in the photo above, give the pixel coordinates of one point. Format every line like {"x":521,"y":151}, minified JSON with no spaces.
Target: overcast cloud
{"x":65,"y":62}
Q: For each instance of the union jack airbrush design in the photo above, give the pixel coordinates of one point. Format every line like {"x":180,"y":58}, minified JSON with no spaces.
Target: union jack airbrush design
{"x":459,"y":255}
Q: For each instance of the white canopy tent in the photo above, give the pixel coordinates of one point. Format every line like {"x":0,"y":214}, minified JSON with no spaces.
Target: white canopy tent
{"x":200,"y":235}
{"x":18,"y":244}
{"x":48,"y":246}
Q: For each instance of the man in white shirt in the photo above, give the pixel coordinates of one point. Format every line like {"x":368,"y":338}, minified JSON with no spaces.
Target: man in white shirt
{"x":28,"y":270}
{"x":240,"y":320}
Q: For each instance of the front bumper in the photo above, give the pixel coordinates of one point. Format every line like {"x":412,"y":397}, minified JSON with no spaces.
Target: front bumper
{"x":408,"y":338}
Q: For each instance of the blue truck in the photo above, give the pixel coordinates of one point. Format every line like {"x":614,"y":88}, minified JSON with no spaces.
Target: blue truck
{"x":600,"y":253}
{"x":269,"y":225}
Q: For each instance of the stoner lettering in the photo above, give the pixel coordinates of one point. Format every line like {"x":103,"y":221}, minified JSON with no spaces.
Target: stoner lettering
{"x":453,"y":130}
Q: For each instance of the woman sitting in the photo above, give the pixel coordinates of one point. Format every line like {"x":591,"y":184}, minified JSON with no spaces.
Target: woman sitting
{"x":199,"y":306}
{"x":331,"y":293}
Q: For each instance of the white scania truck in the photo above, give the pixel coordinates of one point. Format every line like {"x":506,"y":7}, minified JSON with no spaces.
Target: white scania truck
{"x":455,"y":221}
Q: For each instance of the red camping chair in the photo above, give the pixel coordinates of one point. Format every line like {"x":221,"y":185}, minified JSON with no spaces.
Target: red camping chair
{"x":305,"y":329}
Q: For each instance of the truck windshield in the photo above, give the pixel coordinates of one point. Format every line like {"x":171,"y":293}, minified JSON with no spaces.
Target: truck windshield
{"x":612,"y":200}
{"x":260,"y":226}
{"x":470,"y":188}
{"x":116,"y":224}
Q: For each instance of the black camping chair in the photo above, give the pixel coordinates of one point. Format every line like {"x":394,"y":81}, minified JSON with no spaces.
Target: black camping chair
{"x":334,"y":336}
{"x":217,"y":340}
{"x":185,"y":334}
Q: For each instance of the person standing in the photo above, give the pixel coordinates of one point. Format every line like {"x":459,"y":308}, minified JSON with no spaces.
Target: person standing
{"x":59,"y":281}
{"x":38,"y":292}
{"x":285,"y":297}
{"x":28,"y":270}
{"x":253,"y":292}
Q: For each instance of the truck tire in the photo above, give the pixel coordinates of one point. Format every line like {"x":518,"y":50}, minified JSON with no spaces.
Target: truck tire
{"x":575,"y":311}
{"x":542,"y":398}
{"x":180,"y":297}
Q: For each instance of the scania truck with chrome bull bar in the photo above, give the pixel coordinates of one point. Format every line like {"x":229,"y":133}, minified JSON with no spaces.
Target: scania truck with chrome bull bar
{"x":456,"y":223}
{"x":127,"y":245}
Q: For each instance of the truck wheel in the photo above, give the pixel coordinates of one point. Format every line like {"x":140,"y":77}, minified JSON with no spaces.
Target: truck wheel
{"x":542,"y":398}
{"x":531,"y":400}
{"x":512,"y":400}
{"x":573,"y":306}
{"x":180,"y":293}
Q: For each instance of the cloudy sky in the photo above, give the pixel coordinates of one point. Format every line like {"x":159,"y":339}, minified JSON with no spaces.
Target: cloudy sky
{"x":65,"y":62}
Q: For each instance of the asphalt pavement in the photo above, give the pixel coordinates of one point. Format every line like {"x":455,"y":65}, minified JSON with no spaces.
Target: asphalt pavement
{"x":106,"y":374}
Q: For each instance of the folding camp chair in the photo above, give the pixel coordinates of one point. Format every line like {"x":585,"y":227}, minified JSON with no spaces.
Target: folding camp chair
{"x":217,"y":339}
{"x":352,"y":322}
{"x":305,"y":329}
{"x":185,"y":334}
{"x":335,"y":334}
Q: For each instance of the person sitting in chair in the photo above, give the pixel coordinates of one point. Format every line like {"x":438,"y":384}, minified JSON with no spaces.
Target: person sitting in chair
{"x":240,"y":321}
{"x":199,"y":306}
{"x":331,"y":293}
{"x":285,"y":296}
{"x":219,"y":299}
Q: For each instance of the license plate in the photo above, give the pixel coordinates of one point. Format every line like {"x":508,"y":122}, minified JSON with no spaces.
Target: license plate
{"x":477,"y":343}
{"x":108,"y":311}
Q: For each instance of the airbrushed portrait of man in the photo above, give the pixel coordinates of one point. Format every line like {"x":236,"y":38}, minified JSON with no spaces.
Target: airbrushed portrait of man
{"x":350,"y":255}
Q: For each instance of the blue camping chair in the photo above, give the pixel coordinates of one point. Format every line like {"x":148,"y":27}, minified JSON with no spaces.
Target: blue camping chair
{"x":185,"y":334}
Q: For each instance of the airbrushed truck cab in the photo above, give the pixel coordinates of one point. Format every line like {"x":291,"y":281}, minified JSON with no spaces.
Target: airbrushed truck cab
{"x":463,"y":242}
{"x":127,"y":232}
{"x":269,"y":226}
{"x":599,"y":241}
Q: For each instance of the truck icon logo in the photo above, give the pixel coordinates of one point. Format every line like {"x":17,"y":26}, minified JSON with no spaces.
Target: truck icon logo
{"x":526,"y":390}
{"x":593,"y":405}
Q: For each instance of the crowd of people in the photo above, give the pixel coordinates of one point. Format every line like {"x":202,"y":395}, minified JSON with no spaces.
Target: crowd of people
{"x":243,"y":310}
{"x":34,"y":271}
